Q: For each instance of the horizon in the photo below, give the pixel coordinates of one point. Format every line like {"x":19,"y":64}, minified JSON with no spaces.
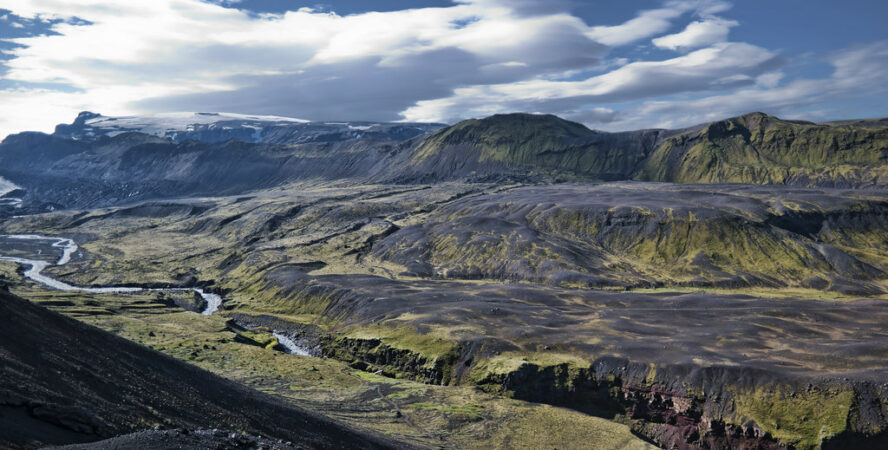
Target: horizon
{"x":608,"y":65}
{"x":260,"y":117}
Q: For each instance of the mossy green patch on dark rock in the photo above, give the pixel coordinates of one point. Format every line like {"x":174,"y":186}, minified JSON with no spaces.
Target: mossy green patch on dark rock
{"x":754,"y":148}
{"x":509,"y":144}
{"x":637,"y":234}
{"x":762,"y":149}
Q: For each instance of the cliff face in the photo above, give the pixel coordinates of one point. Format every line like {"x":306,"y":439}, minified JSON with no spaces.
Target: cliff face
{"x":690,"y":371}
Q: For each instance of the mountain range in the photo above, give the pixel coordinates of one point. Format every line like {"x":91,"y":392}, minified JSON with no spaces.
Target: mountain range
{"x":101,"y":161}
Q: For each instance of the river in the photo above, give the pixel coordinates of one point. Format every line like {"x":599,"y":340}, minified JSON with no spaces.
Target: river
{"x":290,"y":345}
{"x":68,"y":247}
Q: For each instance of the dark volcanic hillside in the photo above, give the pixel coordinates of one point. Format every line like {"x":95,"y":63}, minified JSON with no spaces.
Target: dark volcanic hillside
{"x":65,"y":173}
{"x":649,"y":234}
{"x":62,"y":381}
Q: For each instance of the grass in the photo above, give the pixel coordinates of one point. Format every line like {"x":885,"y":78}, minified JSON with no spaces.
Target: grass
{"x":124,"y":250}
{"x":406,"y":338}
{"x":802,"y":419}
{"x":548,"y":427}
{"x":458,"y":417}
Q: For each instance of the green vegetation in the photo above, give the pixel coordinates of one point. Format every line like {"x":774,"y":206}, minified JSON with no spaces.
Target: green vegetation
{"x":339,"y":260}
{"x":801,"y":419}
{"x":458,"y":417}
{"x":544,"y":142}
{"x":757,"y":148}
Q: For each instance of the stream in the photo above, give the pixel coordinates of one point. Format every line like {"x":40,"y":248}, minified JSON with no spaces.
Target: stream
{"x":290,"y":345}
{"x":68,"y":246}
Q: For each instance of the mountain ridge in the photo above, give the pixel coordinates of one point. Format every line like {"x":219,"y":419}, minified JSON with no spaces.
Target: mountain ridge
{"x":219,"y":127}
{"x":95,"y":169}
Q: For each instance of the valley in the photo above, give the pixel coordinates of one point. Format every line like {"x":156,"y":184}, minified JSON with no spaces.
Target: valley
{"x":512,"y":282}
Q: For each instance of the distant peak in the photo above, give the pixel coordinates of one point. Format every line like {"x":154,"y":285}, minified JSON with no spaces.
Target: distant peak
{"x":84,"y":116}
{"x":521,"y":122}
{"x":760,"y":118}
{"x":87,"y":114}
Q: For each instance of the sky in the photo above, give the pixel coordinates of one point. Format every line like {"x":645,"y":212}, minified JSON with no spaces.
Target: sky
{"x":612,"y":65}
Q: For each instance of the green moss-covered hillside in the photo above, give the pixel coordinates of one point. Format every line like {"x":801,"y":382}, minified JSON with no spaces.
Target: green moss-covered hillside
{"x":761,"y":149}
{"x":542,"y":143}
{"x":755,"y":148}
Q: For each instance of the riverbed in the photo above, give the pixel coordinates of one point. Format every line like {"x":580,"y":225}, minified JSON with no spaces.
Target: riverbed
{"x":68,"y":247}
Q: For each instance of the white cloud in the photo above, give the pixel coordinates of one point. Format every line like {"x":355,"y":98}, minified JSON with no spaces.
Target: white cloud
{"x":857,"y":72}
{"x":471,"y":59}
{"x":646,"y":24}
{"x":727,"y":79}
{"x":190,"y":54}
{"x":697,"y":34}
{"x":717,"y":67}
{"x":654,"y":21}
{"x":18,"y":111}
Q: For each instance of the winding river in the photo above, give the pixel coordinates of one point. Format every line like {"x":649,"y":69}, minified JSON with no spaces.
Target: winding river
{"x":68,"y":246}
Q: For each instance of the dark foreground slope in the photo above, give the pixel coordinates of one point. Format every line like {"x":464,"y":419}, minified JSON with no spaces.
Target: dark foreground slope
{"x":62,"y":381}
{"x":183,"y":439}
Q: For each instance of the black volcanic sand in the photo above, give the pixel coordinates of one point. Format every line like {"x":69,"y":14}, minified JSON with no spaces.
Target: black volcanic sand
{"x":782,"y":335}
{"x":62,"y":382}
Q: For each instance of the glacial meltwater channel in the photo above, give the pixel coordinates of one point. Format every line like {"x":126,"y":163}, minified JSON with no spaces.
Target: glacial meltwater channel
{"x":290,"y":345}
{"x":68,"y":247}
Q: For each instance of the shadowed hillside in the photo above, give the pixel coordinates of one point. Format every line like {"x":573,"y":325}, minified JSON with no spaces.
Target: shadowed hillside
{"x":64,"y":382}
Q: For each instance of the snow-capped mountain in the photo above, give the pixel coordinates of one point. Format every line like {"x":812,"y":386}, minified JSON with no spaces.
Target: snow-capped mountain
{"x":216,"y":127}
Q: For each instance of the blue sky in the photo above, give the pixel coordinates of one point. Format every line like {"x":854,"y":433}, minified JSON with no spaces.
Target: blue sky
{"x":612,"y":65}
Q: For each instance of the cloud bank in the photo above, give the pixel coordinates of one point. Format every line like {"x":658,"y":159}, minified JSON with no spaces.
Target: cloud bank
{"x":474,"y":58}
